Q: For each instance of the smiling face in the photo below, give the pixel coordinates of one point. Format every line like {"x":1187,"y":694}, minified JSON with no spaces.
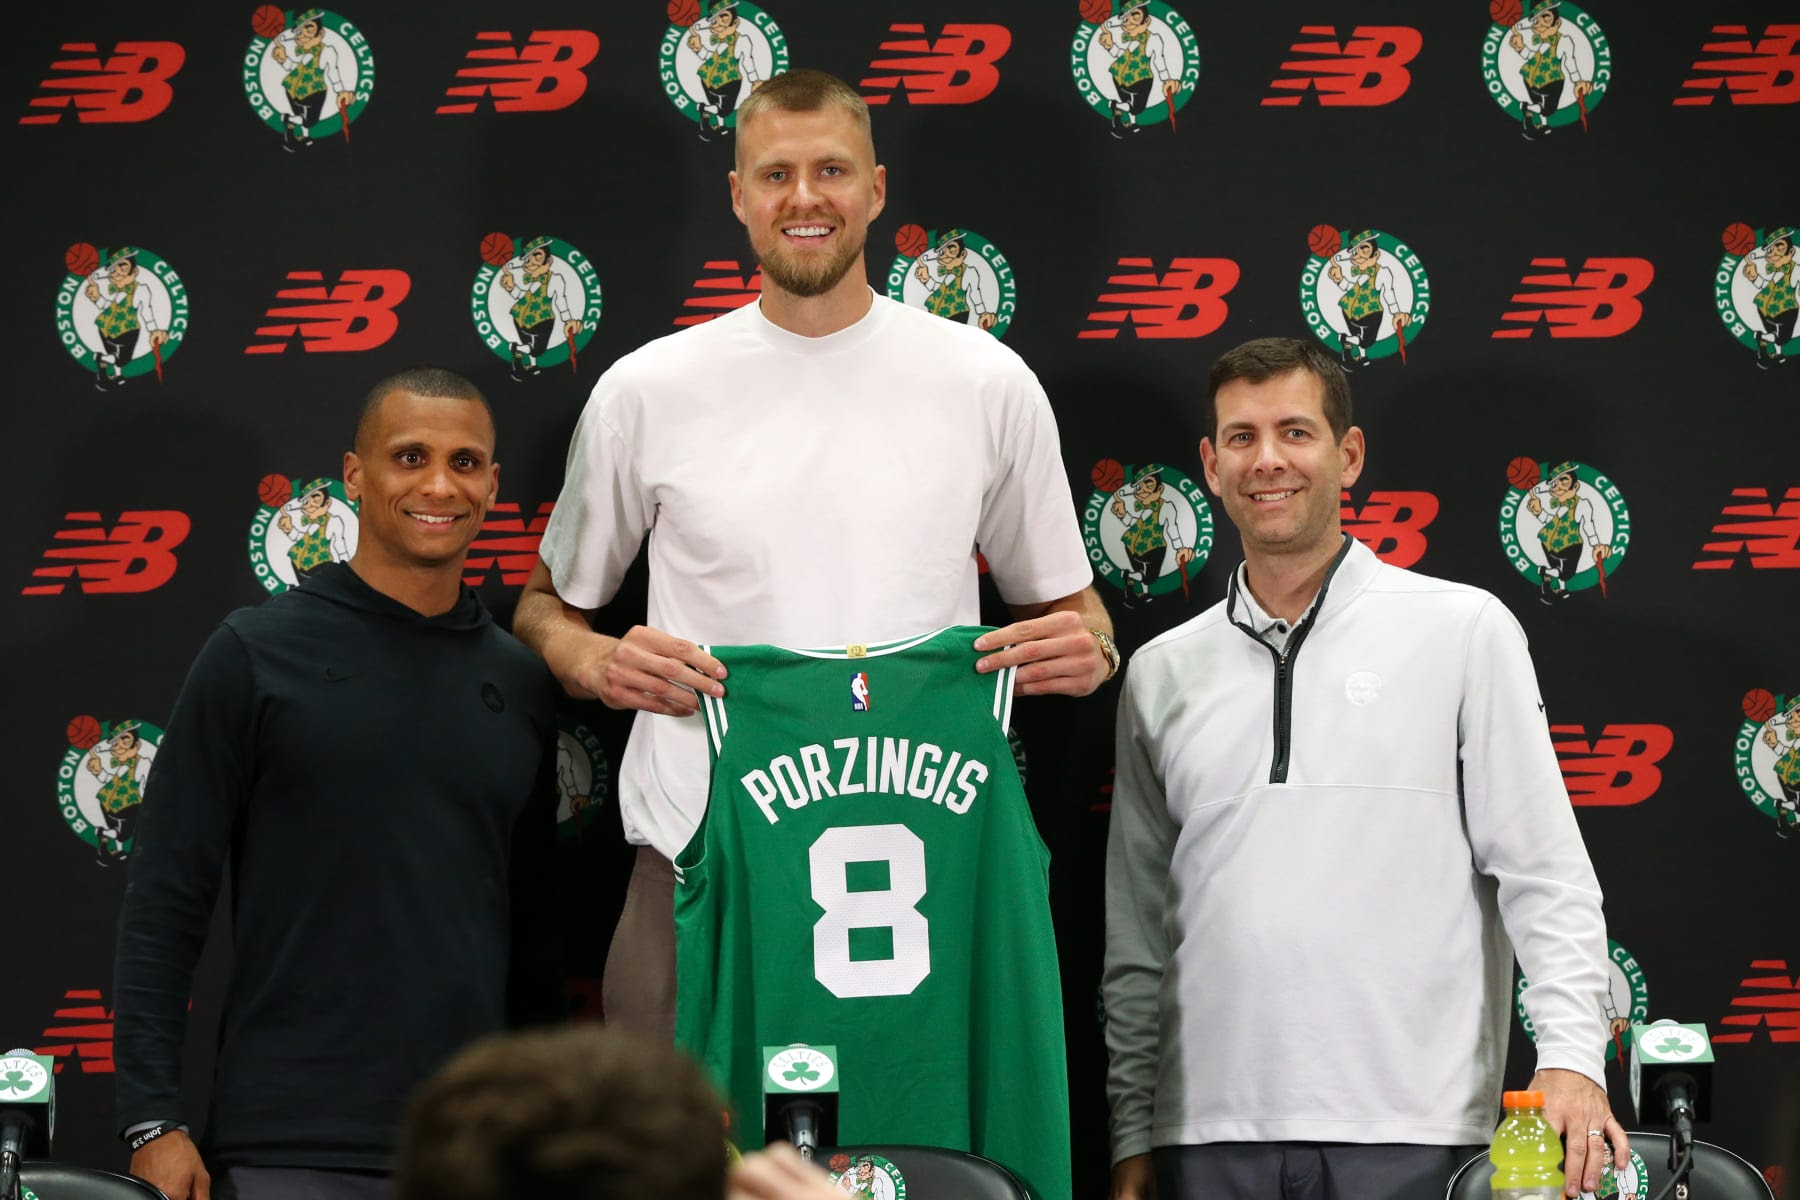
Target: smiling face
{"x":1564,"y":488}
{"x":1545,"y":23}
{"x":1364,"y":255}
{"x":1135,"y":21}
{"x":1276,"y":466}
{"x":537,"y":263}
{"x":806,"y":187}
{"x":424,"y":471}
{"x":1779,"y":253}
{"x":724,"y":22}
{"x":121,"y":273}
{"x":307,"y":36}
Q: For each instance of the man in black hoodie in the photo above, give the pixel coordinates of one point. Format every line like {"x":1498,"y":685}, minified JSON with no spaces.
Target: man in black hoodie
{"x":375,"y":760}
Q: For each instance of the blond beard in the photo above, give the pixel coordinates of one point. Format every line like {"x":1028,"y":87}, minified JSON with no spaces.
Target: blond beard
{"x":808,"y":279}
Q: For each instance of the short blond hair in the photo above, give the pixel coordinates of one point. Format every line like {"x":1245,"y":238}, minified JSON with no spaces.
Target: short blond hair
{"x":806,"y":90}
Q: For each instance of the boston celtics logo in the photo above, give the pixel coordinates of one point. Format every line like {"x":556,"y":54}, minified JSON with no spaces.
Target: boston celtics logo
{"x":121,"y":312}
{"x":1768,"y":757}
{"x":1754,"y":291}
{"x":1364,"y":294}
{"x":956,"y":274}
{"x":299,"y":529}
{"x":1135,"y":62}
{"x":1148,"y":529}
{"x":535,"y":303}
{"x":101,"y":781}
{"x":1628,"y":1182}
{"x":1546,"y":64}
{"x":801,"y":1069}
{"x":1627,"y":1001}
{"x":1564,"y":527}
{"x":308,"y":73}
{"x":715,"y":53}
{"x":867,"y":1177}
{"x":583,"y":779}
{"x":21,"y":1078}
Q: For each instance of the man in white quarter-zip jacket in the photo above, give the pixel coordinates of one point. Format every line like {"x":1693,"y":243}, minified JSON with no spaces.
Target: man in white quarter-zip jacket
{"x":1337,"y":816}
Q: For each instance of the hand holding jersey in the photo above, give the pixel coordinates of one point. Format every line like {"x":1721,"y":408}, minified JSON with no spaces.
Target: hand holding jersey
{"x":647,"y":669}
{"x":1058,"y":653}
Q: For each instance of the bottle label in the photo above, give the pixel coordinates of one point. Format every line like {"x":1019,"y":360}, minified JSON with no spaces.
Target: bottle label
{"x":1527,"y":1193}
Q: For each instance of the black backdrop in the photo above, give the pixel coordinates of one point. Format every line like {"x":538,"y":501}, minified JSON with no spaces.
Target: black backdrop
{"x":1571,"y":315}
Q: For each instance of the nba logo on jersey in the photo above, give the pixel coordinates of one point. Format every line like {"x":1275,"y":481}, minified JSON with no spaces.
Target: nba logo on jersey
{"x":859,"y":691}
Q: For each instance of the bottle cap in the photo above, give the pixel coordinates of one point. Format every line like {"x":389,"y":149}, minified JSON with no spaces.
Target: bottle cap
{"x":1522,"y":1100}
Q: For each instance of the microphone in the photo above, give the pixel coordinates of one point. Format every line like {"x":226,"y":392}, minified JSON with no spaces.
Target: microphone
{"x":800,"y":1094}
{"x":27,"y":1113}
{"x":1671,"y":1064}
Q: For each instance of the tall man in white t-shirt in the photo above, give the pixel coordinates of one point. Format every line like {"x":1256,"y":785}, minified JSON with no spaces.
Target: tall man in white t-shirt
{"x":708,"y":440}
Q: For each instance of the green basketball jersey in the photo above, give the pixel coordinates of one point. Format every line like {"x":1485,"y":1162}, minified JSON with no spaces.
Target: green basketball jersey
{"x":867,"y":875}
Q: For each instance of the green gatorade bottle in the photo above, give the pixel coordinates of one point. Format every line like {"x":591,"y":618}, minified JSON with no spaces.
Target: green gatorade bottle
{"x":1526,"y":1154}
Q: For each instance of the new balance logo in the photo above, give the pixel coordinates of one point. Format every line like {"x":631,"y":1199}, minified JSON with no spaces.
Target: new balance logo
{"x":88,"y":1040}
{"x":1616,"y":769}
{"x":1766,"y":71}
{"x":955,"y":68}
{"x":132,"y":84}
{"x":1599,"y":302}
{"x":1366,"y":71}
{"x":1392,"y":524}
{"x":1760,"y":532}
{"x":1185,"y":301}
{"x":718,"y":294}
{"x":135,"y":555}
{"x":356,"y":313}
{"x":1768,"y":1003}
{"x":508,"y":544}
{"x":542,"y":76}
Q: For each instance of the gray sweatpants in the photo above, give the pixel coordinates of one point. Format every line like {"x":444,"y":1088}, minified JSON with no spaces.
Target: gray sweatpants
{"x":1306,"y":1171}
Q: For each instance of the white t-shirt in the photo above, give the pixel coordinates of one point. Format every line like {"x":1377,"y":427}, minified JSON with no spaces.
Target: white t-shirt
{"x":806,"y":492}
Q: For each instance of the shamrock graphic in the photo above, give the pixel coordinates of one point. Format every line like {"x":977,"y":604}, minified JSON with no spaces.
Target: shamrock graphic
{"x":15,"y":1081}
{"x":800,"y":1072}
{"x":1674,"y":1047}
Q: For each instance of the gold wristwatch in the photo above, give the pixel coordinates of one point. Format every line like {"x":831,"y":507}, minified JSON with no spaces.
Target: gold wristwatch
{"x":1109,"y":648}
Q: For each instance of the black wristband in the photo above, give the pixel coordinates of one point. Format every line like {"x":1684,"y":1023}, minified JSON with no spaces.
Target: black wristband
{"x":144,"y":1138}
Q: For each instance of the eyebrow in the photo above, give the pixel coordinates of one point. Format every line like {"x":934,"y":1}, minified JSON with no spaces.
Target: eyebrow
{"x":783,"y":163}
{"x":1284,"y":423}
{"x":416,"y":444}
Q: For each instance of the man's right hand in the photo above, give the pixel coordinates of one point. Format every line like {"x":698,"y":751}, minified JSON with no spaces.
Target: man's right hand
{"x":1133,"y":1179}
{"x":648,"y":669}
{"x":172,"y":1163}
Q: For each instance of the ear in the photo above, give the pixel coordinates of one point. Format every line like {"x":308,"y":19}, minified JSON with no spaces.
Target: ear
{"x":352,"y":475}
{"x":880,"y":191}
{"x":493,"y":485}
{"x":1350,"y":455}
{"x":737,"y":196}
{"x":1209,"y":463}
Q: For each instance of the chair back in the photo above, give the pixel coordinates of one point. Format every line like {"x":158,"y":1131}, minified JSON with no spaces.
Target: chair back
{"x":1718,"y":1174}
{"x":61,"y":1181}
{"x":933,"y":1173}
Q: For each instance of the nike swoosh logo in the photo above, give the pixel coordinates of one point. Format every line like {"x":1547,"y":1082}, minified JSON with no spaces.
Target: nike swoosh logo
{"x":333,"y":675}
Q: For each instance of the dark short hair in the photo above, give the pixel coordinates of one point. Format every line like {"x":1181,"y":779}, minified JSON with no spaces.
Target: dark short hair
{"x":432,"y":382}
{"x":576,"y":1113}
{"x":804,"y":90}
{"x":1265,"y":358}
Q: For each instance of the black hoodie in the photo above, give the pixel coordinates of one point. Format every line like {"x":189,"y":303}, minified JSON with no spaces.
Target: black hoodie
{"x":383,"y":786}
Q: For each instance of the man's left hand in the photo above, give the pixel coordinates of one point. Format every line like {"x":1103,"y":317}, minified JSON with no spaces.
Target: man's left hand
{"x":1576,"y":1106}
{"x":1055,"y":654}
